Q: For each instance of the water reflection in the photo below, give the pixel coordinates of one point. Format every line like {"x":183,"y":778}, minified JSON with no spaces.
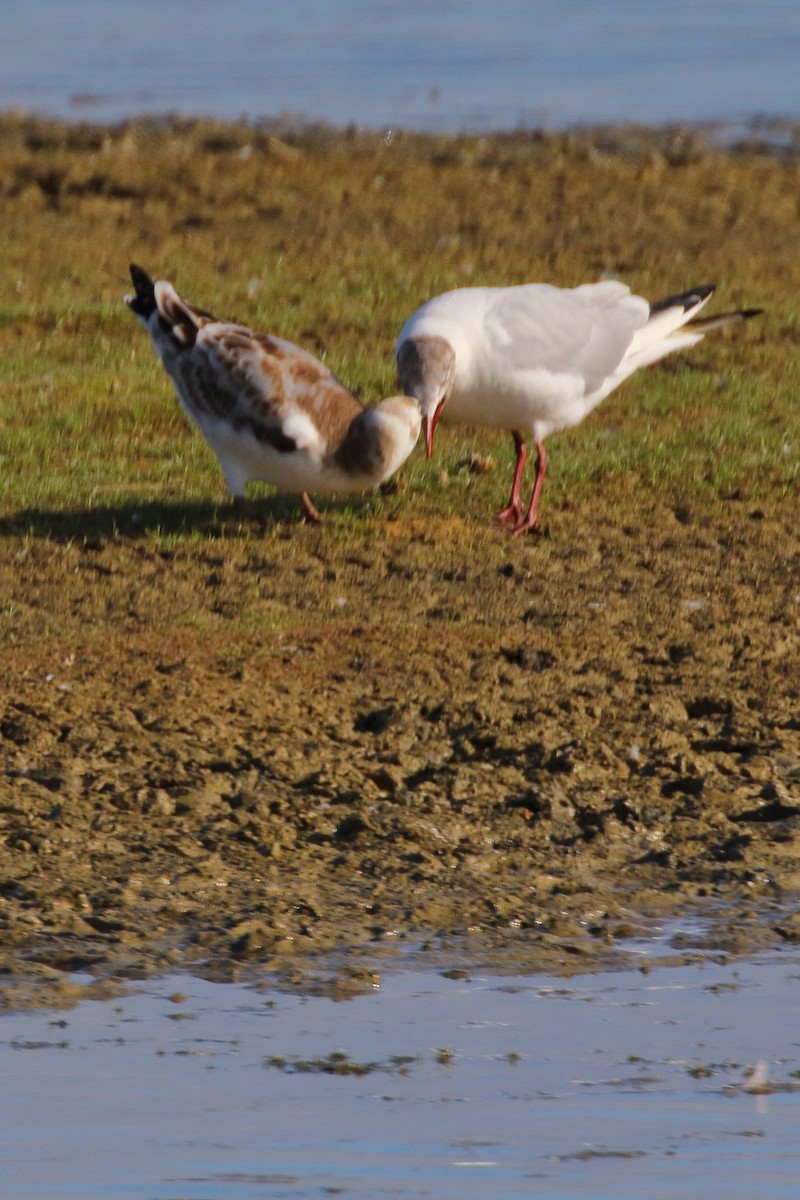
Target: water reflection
{"x":615,"y":1085}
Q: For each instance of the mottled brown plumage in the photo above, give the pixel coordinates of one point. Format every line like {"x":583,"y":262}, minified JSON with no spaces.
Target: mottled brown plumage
{"x":269,"y":410}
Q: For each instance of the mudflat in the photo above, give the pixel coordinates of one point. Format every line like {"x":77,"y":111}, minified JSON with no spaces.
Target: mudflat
{"x":235,"y":747}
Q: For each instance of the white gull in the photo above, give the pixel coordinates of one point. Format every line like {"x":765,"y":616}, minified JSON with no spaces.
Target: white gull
{"x":269,"y":410}
{"x":535,"y":359}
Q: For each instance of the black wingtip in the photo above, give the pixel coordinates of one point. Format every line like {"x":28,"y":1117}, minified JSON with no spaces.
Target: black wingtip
{"x":144,"y":302}
{"x":702,"y":293}
{"x":684,"y":300}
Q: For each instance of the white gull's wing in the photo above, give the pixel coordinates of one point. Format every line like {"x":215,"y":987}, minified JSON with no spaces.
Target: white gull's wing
{"x":584,"y":332}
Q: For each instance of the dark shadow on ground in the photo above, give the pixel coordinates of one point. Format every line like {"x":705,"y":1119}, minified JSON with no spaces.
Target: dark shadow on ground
{"x":136,"y":520}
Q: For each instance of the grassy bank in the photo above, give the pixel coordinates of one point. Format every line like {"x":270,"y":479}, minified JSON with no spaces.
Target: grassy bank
{"x":331,"y":241}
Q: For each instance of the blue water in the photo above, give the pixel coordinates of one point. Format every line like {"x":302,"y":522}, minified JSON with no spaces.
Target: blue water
{"x":606,"y":1087}
{"x":451,"y":65}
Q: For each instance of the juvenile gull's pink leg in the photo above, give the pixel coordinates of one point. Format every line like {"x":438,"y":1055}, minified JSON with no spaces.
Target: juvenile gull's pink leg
{"x":310,"y":513}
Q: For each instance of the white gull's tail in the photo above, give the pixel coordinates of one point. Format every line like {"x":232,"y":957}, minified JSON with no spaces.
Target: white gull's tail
{"x":674,"y":325}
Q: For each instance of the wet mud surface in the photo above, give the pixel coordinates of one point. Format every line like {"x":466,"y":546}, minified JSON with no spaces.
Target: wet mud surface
{"x":235,"y":749}
{"x":532,"y":742}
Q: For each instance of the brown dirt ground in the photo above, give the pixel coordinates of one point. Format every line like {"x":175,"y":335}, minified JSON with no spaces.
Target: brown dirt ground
{"x":244,"y":750}
{"x":539,"y":750}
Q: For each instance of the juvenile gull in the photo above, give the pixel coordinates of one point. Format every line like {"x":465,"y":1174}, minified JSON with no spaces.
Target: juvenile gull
{"x":269,"y":410}
{"x":535,"y":359}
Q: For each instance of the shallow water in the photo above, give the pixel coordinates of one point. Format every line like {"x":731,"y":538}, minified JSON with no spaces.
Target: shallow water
{"x":607,"y":1086}
{"x":455,"y":65}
